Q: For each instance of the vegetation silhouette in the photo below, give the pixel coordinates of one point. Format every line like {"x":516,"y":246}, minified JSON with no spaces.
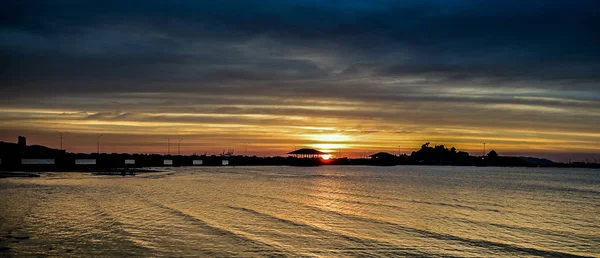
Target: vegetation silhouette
{"x":439,"y":154}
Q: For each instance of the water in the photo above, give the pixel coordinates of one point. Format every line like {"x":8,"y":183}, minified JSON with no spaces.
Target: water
{"x":316,"y":212}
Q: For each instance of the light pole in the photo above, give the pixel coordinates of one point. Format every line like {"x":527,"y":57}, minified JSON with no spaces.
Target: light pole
{"x":398,"y":150}
{"x":61,"y":140}
{"x":168,"y":145}
{"x":245,"y":148}
{"x":483,"y":150}
{"x":98,"y":144}
{"x":179,"y":147}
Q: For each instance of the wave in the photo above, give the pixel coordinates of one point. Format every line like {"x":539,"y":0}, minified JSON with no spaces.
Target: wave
{"x":356,"y":243}
{"x":158,"y":175}
{"x":458,"y":206}
{"x":234,"y":237}
{"x":504,"y":247}
{"x":351,"y":201}
{"x":453,"y":205}
{"x":540,"y":187}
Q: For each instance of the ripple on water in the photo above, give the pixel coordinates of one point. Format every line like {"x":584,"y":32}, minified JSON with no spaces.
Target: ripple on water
{"x":287,"y":211}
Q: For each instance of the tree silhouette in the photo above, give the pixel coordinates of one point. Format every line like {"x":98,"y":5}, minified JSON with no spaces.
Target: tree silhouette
{"x":440,"y":154}
{"x":492,"y":154}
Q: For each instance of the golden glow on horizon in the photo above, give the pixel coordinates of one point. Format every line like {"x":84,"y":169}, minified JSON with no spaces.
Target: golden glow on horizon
{"x":327,"y":147}
{"x":326,"y":156}
{"x":329,"y":137}
{"x":275,"y":133}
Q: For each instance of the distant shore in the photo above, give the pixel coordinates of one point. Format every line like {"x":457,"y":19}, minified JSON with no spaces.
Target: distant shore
{"x":35,"y":172}
{"x":35,"y":158}
{"x":7,"y":174}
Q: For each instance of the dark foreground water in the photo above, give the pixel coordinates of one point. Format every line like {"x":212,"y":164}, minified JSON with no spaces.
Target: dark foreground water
{"x":315,"y":212}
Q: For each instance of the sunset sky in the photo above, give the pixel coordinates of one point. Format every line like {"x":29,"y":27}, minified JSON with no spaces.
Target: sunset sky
{"x":360,"y":76}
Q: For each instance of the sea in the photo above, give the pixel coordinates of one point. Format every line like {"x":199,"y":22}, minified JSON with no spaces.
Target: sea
{"x":326,"y":211}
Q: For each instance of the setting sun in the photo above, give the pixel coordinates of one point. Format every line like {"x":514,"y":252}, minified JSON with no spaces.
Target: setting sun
{"x":326,"y":156}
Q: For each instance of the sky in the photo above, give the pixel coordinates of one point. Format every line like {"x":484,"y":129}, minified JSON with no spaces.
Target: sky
{"x":348,"y":76}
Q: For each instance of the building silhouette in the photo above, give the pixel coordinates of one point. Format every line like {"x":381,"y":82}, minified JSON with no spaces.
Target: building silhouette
{"x":307,"y":153}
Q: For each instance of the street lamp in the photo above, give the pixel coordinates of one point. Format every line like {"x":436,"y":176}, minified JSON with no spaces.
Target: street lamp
{"x":168,"y":145}
{"x":98,"y":144}
{"x":179,"y":147}
{"x":61,"y":140}
{"x":245,"y":148}
{"x":483,"y":149}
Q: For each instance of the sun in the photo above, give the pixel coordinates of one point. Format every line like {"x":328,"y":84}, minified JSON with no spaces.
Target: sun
{"x":326,"y":156}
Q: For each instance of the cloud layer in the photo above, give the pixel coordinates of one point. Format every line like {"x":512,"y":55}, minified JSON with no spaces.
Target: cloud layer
{"x":522,"y":76}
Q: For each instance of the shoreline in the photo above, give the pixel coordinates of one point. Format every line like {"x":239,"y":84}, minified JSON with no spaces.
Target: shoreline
{"x":16,"y":173}
{"x":13,"y":172}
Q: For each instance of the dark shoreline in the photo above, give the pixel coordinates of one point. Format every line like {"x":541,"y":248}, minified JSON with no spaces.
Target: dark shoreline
{"x":8,"y":174}
{"x":35,"y":172}
{"x":35,"y":158}
{"x":31,"y":170}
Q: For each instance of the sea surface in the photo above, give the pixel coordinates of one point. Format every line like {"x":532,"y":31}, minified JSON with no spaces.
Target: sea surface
{"x":328,"y":211}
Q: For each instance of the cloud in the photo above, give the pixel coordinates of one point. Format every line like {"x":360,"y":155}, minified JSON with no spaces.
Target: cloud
{"x":509,"y":64}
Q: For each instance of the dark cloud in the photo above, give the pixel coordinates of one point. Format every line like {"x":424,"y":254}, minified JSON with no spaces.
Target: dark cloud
{"x":123,"y":39}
